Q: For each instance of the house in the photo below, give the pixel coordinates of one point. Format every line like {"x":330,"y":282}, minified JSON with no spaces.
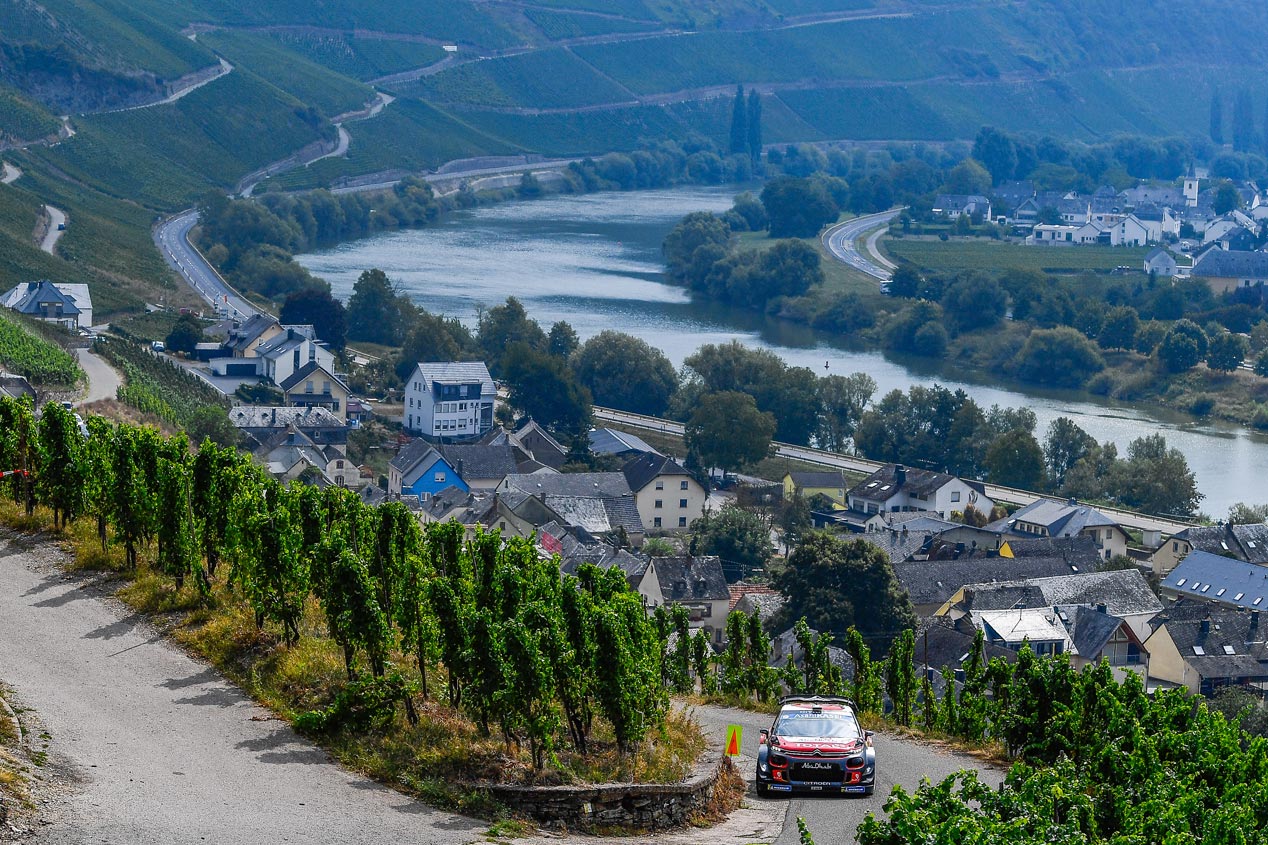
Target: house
{"x":1129,"y":231}
{"x":68,"y":305}
{"x":511,"y":515}
{"x":1157,"y":195}
{"x":1053,"y":518}
{"x":609,"y":441}
{"x":696,"y":583}
{"x":15,"y":386}
{"x":1219,"y":579}
{"x":481,"y":467}
{"x":667,"y":496}
{"x":1087,"y":634}
{"x":260,"y":423}
{"x":1056,"y":233}
{"x":756,"y":598}
{"x":314,"y":386}
{"x":1243,"y":542}
{"x":954,"y":205}
{"x":1124,"y":593}
{"x":450,"y":399}
{"x":1013,"y":193}
{"x":807,"y":485}
{"x":288,"y":351}
{"x":419,"y":470}
{"x":243,"y":340}
{"x":1202,"y":648}
{"x":602,"y":503}
{"x":1012,"y":629}
{"x":1160,"y":262}
{"x":932,"y":583}
{"x":291,"y":454}
{"x":535,"y":449}
{"x":1225,"y":270}
{"x":896,"y":488}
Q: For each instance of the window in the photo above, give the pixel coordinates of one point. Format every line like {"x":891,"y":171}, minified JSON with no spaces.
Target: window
{"x":325,"y":387}
{"x":682,"y":503}
{"x":656,"y":522}
{"x":308,"y":386}
{"x":682,"y":522}
{"x":660,"y":485}
{"x":660,"y":503}
{"x":439,"y":478}
{"x":682,"y":485}
{"x":955,"y":495}
{"x":338,"y":464}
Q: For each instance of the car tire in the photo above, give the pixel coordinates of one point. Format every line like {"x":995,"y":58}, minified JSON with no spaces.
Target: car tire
{"x":762,"y":788}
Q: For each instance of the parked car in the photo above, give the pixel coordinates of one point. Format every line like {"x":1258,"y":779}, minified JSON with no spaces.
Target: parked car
{"x":816,"y":745}
{"x":158,"y":346}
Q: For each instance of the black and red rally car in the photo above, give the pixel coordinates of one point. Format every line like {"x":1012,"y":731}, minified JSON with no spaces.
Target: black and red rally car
{"x":816,"y":745}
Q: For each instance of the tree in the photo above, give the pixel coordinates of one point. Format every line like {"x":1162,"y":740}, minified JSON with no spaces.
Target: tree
{"x":1118,"y":331}
{"x":1014,"y":459}
{"x":1065,"y":445}
{"x":1244,"y":514}
{"x":317,"y":307}
{"x":995,"y":150}
{"x":906,"y":281}
{"x":1226,"y":198}
{"x":185,"y":334}
{"x":968,"y":177}
{"x":623,"y":371}
{"x":1217,"y":118}
{"x":797,"y":207}
{"x":435,"y":338}
{"x":755,"y":127}
{"x":837,"y":584}
{"x":974,"y":301}
{"x":1184,"y":345}
{"x":1060,"y":356}
{"x":728,"y":431}
{"x":1227,"y":351}
{"x":1243,"y":122}
{"x":1155,"y":478}
{"x":562,"y":340}
{"x":543,"y":387}
{"x":1261,"y":364}
{"x":373,"y":312}
{"x":739,"y":123}
{"x":790,"y":394}
{"x":695,"y":231}
{"x":738,"y":536}
{"x":842,"y":400}
{"x":59,"y":480}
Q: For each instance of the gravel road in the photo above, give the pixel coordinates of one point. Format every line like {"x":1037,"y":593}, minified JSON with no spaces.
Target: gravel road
{"x":104,"y":380}
{"x":155,"y":747}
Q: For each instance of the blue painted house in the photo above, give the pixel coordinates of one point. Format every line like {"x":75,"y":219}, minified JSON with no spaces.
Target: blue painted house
{"x":420,"y":470}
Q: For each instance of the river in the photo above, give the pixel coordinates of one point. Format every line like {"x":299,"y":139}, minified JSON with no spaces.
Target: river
{"x":595,"y":261}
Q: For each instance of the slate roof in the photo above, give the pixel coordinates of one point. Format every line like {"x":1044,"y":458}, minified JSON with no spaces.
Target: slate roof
{"x":916,"y":482}
{"x":940,"y":643}
{"x":1244,"y":542}
{"x":281,"y":344}
{"x":411,"y":455}
{"x":1202,"y":575}
{"x":456,"y":372}
{"x":785,"y":643}
{"x":31,"y":297}
{"x":935,"y":581}
{"x":1062,"y":519}
{"x":691,"y":578}
{"x":302,"y":374}
{"x":1090,"y":629}
{"x":243,"y":335}
{"x":641,"y":471}
{"x":1220,"y":263}
{"x":607,"y":441}
{"x":586,"y":484}
{"x":1013,"y":626}
{"x":896,"y":545}
{"x":1124,"y":592}
{"x":1080,"y":552}
{"x":1226,"y":627}
{"x":475,"y":461}
{"x":15,"y":386}
{"x":818,"y":479}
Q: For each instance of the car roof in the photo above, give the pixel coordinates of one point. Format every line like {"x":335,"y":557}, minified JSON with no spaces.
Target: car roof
{"x":810,"y":707}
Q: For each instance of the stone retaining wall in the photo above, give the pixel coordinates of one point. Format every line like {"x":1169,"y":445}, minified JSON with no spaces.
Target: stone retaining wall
{"x":642,"y":806}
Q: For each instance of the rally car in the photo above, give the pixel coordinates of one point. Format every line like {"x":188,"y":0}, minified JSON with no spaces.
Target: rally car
{"x":816,"y":745}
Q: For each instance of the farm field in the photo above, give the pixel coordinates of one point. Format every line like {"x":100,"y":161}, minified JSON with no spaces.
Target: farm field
{"x":955,"y":255}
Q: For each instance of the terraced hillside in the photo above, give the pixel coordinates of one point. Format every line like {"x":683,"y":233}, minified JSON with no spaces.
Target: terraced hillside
{"x":157,"y":121}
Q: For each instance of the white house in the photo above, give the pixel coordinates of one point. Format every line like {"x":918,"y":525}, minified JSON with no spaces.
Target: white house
{"x":1055,"y":518}
{"x":68,"y":305}
{"x":288,"y":352}
{"x":895,"y":488}
{"x":668,"y":497}
{"x":450,"y":399}
{"x":1160,"y":262}
{"x":1129,"y":231}
{"x":1054,"y":233}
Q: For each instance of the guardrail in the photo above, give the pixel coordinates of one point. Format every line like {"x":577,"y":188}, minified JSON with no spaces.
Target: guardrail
{"x":821,"y":457}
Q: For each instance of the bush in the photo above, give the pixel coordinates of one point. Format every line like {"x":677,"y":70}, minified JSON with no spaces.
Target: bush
{"x":1060,"y":356}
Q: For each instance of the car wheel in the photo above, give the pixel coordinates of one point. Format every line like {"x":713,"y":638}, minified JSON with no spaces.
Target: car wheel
{"x":762,"y":788}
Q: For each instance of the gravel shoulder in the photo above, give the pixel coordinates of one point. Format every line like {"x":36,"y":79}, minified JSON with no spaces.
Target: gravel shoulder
{"x":150,"y":745}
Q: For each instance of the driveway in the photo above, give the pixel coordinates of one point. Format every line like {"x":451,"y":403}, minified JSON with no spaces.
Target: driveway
{"x":155,"y":747}
{"x":104,"y":380}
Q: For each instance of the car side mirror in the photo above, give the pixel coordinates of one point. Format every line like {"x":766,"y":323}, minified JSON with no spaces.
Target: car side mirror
{"x":867,"y":736}
{"x":765,"y":735}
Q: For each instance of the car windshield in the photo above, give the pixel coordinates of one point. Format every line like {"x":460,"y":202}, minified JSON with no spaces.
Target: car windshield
{"x":823,"y":725}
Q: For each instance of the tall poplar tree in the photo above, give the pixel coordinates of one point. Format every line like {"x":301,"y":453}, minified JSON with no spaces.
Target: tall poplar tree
{"x":755,"y":127}
{"x":1217,"y":117}
{"x":739,"y":122}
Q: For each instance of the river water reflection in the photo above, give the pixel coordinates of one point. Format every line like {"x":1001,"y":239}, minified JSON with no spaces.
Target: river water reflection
{"x":595,"y":261}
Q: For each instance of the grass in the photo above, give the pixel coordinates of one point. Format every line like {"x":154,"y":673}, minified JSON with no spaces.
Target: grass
{"x":443,"y":760}
{"x":956,"y":254}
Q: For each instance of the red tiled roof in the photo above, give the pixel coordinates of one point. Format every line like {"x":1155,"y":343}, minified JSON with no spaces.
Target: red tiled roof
{"x":739,"y":591}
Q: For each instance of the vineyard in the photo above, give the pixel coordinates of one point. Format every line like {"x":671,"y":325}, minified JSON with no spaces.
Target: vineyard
{"x":156,"y":386}
{"x":560,"y":25}
{"x":40,"y":361}
{"x":544,"y":79}
{"x":360,"y":58}
{"x":22,"y":120}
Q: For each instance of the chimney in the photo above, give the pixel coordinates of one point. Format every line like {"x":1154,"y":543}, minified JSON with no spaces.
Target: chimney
{"x":1100,"y":608}
{"x":1073,"y":502}
{"x":461,"y":464}
{"x":1254,"y":620}
{"x":1206,"y":627}
{"x":273,"y":418}
{"x":900,"y":475}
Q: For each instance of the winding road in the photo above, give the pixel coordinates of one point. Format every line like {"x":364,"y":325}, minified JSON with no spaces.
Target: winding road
{"x":104,"y":380}
{"x":841,"y":242}
{"x":9,"y":173}
{"x":172,"y":238}
{"x":56,"y":228}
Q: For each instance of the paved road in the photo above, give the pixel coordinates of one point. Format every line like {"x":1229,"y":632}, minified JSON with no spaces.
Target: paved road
{"x":159,"y":748}
{"x":463,"y":175}
{"x":103,"y":380}
{"x":9,"y":173}
{"x":56,"y":228}
{"x":840,"y":241}
{"x":834,"y":820}
{"x":172,"y":238}
{"x":998,"y":493}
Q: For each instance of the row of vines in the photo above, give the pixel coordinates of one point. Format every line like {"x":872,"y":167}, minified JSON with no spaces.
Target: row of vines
{"x":157,"y":386}
{"x":34,"y":358}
